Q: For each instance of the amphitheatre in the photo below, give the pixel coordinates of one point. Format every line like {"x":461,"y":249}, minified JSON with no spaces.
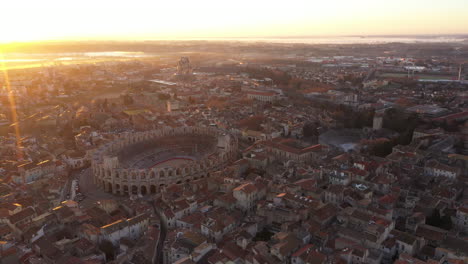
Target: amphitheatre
{"x":142,"y":163}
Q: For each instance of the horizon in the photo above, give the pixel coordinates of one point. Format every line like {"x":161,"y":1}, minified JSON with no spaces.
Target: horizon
{"x":459,"y":36}
{"x":462,"y":36}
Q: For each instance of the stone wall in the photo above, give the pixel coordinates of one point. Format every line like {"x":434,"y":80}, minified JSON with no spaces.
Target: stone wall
{"x":110,"y":175}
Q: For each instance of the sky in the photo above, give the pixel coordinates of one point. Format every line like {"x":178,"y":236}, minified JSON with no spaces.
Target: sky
{"x":37,"y":20}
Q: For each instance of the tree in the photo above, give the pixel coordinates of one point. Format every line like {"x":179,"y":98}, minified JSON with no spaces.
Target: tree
{"x":105,"y":104}
{"x":382,"y":148}
{"x":128,"y":100}
{"x":356,"y":119}
{"x":446,"y":222}
{"x":310,"y":130}
{"x":163,"y":96}
{"x":67,"y":132}
{"x":263,"y":235}
{"x":399,"y":121}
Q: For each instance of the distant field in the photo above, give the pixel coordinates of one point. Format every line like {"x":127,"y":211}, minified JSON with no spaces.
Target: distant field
{"x":35,"y":60}
{"x":417,"y":76}
{"x":45,"y":63}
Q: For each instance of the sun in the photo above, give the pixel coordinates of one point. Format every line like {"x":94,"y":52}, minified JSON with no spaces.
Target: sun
{"x":9,"y":35}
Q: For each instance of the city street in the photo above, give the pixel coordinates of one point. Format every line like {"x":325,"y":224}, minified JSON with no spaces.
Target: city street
{"x":66,"y":189}
{"x":90,"y":191}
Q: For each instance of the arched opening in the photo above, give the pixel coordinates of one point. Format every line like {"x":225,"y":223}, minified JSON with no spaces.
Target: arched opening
{"x":109,"y":187}
{"x":143,"y":190}
{"x":153,"y":189}
{"x":125,"y":189}
{"x":134,"y":189}
{"x":117,"y":187}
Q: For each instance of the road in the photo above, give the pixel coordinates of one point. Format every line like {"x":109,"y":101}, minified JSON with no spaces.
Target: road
{"x":74,"y":184}
{"x":158,"y":256}
{"x":66,"y":189}
{"x":91,"y":192}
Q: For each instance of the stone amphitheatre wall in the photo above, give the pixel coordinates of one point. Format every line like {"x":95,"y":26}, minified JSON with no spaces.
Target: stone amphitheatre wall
{"x":110,"y":175}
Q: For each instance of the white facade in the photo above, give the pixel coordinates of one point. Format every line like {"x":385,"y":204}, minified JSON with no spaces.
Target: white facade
{"x":262,"y":96}
{"x":246,"y":196}
{"x":434,"y":168}
{"x":132,"y":228}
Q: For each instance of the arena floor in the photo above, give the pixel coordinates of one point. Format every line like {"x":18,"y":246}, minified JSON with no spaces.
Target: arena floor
{"x":173,"y":162}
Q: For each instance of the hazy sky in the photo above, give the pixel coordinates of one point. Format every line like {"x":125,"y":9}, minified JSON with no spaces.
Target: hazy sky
{"x":22,"y":20}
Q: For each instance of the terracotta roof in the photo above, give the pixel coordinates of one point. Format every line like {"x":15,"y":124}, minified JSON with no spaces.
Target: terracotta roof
{"x":84,"y":244}
{"x":430,"y":232}
{"x":291,"y":145}
{"x":404,"y":237}
{"x":463,"y":210}
{"x":307,"y":184}
{"x":303,"y":250}
{"x":246,"y":188}
{"x":325,"y":212}
{"x":26,"y":213}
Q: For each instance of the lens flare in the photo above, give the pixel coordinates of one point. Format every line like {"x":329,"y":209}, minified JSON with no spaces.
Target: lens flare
{"x":11,"y":100}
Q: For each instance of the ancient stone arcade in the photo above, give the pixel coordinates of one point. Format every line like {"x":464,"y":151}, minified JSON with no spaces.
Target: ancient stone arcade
{"x":113,"y":175}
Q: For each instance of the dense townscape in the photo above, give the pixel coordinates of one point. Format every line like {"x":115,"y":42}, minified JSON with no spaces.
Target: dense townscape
{"x":246,"y":153}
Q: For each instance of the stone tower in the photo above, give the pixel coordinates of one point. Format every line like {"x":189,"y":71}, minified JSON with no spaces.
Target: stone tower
{"x":378,"y":121}
{"x":184,"y":67}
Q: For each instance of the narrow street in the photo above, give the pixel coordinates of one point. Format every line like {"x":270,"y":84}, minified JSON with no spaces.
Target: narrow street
{"x":90,"y":191}
{"x":66,"y":189}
